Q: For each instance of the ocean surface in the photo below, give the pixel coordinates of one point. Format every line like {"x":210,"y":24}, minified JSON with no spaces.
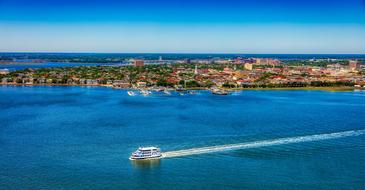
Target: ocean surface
{"x":81,"y":138}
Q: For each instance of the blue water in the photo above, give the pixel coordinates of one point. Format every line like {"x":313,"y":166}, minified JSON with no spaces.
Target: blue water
{"x":21,"y":66}
{"x":176,"y":55}
{"x":81,"y":138}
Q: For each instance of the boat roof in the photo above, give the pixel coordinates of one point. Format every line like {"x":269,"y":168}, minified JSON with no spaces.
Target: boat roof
{"x":147,"y":148}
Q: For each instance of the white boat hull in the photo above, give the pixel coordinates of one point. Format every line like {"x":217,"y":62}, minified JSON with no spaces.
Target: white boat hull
{"x":146,"y":158}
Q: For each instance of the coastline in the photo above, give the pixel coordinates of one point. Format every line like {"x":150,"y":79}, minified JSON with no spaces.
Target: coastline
{"x":328,"y":89}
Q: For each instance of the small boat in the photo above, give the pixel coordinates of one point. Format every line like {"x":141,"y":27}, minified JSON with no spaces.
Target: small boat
{"x":145,"y":92}
{"x":219,"y":92}
{"x":146,"y":153}
{"x":131,"y":93}
{"x":180,"y":88}
{"x":167,"y":92}
{"x":161,"y":89}
{"x":191,"y":92}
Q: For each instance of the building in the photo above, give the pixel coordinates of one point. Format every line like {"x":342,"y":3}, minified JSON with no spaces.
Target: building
{"x":248,"y":66}
{"x":196,"y":70}
{"x":260,"y":61}
{"x":274,"y":62}
{"x":4,"y":80}
{"x":141,"y":84}
{"x":267,"y":61}
{"x":138,"y":63}
{"x":353,"y":65}
{"x":120,"y":84}
{"x":222,"y":61}
{"x":4,"y":71}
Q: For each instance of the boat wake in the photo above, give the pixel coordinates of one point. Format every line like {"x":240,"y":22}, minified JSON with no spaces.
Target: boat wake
{"x":264,"y":143}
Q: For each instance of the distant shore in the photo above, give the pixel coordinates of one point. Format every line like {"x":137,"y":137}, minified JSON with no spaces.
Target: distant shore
{"x":20,"y":63}
{"x":329,"y":89}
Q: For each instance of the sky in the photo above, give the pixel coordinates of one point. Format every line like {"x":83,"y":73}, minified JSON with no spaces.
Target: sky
{"x":183,"y":26}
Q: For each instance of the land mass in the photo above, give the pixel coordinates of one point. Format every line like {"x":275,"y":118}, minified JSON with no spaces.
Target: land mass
{"x":258,"y":74}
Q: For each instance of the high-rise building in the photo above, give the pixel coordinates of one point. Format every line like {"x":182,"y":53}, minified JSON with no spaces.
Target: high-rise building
{"x":248,"y":66}
{"x":353,"y":65}
{"x":138,"y":63}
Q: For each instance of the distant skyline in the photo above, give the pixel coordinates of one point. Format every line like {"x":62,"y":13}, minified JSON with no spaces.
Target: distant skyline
{"x":183,"y":26}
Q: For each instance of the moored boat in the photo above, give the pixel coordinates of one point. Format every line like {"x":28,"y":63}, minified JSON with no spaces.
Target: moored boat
{"x":131,"y":93}
{"x":146,"y":153}
{"x":145,"y":92}
{"x":160,"y":89}
{"x":192,"y":92}
{"x":167,"y":92}
{"x":219,"y":92}
{"x":180,"y":88}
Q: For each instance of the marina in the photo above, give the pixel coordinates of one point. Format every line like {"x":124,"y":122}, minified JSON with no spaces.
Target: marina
{"x":170,"y":91}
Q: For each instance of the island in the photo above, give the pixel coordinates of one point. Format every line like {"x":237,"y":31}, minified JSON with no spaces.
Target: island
{"x":227,"y":73}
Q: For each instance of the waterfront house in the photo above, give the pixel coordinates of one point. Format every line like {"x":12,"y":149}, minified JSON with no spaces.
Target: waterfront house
{"x":141,"y":84}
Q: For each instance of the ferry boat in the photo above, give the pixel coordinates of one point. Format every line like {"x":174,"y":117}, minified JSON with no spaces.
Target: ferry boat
{"x":146,"y":153}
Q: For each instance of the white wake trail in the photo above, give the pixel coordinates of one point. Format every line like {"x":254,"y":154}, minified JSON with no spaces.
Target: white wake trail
{"x":264,"y":143}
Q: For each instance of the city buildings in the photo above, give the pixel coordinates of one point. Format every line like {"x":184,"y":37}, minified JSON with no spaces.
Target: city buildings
{"x":248,"y":66}
{"x":4,"y":71}
{"x":138,"y":63}
{"x":200,"y":73}
{"x":353,"y":65}
{"x":267,"y":61}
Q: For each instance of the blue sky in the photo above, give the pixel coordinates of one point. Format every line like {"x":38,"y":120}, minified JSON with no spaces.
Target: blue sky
{"x":186,"y":26}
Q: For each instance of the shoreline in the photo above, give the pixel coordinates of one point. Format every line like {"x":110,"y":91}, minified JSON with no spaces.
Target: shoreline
{"x":328,"y":89}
